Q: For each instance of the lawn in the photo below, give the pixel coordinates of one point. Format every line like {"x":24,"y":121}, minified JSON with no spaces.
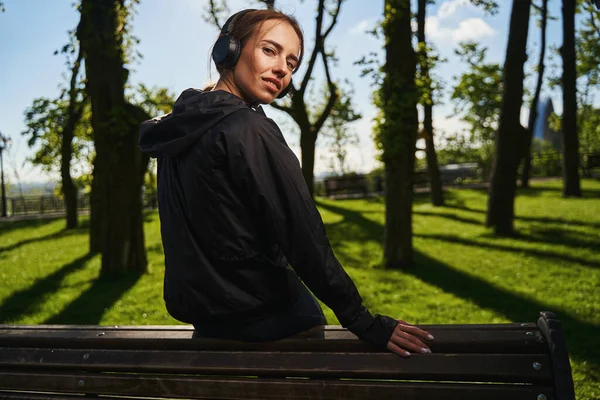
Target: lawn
{"x":462,"y":273}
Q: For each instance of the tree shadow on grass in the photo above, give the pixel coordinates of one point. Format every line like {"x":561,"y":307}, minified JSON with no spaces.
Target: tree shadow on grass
{"x":557,"y":191}
{"x":450,"y":216}
{"x":543,"y":220}
{"x":24,"y":302}
{"x":52,"y":236}
{"x":561,"y":237}
{"x":533,"y":252}
{"x":91,"y":305}
{"x":583,"y":338}
{"x":8,"y":225}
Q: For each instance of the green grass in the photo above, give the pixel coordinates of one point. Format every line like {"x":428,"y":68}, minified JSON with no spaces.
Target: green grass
{"x":462,"y":273}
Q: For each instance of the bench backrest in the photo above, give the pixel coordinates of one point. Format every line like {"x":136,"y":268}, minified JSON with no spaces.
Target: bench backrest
{"x":469,"y":361}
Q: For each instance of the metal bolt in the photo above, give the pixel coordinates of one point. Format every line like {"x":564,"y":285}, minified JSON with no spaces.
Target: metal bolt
{"x":529,"y":333}
{"x":101,"y":334}
{"x":541,"y":396}
{"x":86,"y":356}
{"x":80,"y":383}
{"x":537,"y":366}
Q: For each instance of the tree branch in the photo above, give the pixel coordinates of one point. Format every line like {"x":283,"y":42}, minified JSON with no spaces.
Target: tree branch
{"x":214,"y":10}
{"x":593,"y":21}
{"x":318,"y":45}
{"x":334,"y":20}
{"x":282,"y":108}
{"x":333,"y":95}
{"x":269,"y":3}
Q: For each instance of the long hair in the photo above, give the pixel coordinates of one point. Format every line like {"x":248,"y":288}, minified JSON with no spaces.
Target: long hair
{"x":245,"y":25}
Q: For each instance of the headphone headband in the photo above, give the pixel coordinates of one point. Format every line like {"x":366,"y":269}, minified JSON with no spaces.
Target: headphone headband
{"x":228,"y":25}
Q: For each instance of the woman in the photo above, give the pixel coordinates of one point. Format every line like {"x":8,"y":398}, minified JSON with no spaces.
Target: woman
{"x":234,"y":208}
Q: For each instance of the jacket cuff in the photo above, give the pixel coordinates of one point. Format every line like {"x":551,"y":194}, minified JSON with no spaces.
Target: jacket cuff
{"x":374,"y":329}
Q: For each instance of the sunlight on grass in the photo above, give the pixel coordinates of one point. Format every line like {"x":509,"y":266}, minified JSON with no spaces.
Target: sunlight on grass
{"x":462,"y":273}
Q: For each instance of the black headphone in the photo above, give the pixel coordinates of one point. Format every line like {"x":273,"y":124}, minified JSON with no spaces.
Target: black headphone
{"x":227,"y":49}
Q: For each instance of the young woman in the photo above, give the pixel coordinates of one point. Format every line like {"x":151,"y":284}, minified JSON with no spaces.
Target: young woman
{"x":235,"y":211}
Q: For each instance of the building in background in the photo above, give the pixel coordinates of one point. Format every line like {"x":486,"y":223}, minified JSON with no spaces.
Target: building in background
{"x":541,"y":129}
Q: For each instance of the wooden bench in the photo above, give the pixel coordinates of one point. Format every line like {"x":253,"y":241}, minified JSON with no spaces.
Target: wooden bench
{"x":503,"y":361}
{"x":593,"y":161}
{"x":356,"y":184}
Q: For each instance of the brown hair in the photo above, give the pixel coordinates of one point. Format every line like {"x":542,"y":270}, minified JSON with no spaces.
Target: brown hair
{"x":245,"y":25}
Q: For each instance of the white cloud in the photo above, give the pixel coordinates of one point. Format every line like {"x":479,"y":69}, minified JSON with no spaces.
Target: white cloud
{"x":360,"y":27}
{"x":448,"y":8}
{"x":442,"y":27}
{"x":472,"y":29}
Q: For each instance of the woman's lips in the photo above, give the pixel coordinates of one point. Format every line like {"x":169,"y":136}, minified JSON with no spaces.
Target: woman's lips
{"x":271,"y":86}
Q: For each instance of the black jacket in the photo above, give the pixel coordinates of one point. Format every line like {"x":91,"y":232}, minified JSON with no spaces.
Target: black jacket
{"x":235,"y":211}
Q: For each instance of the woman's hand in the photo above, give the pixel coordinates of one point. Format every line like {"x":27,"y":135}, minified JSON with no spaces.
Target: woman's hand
{"x":408,"y":338}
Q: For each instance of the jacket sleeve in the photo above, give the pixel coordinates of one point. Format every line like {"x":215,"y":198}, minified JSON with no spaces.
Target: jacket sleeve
{"x":269,"y":174}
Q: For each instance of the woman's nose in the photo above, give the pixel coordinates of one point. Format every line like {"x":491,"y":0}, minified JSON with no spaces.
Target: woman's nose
{"x":280,"y":67}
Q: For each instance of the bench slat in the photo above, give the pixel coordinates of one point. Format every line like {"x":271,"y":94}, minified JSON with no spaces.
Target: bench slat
{"x":447,"y":341}
{"x":513,"y":326}
{"x":254,"y":389}
{"x":466,"y":367}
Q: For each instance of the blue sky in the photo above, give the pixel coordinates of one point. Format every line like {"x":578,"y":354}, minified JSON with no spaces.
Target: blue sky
{"x":175,"y":44}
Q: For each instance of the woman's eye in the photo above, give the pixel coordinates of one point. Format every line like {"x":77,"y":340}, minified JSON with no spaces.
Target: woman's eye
{"x":291,"y":66}
{"x":269,"y":50}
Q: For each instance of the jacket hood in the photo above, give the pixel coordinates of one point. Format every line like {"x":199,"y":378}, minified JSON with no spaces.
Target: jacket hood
{"x":194,"y":113}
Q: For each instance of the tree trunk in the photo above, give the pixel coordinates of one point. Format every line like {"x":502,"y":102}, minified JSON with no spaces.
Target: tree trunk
{"x":435,"y":183}
{"x":399,"y":132}
{"x":68,"y":187}
{"x":74,"y":112}
{"x":509,"y":137}
{"x":308,"y":141}
{"x":116,"y":204}
{"x":526,"y":172}
{"x":570,"y":141}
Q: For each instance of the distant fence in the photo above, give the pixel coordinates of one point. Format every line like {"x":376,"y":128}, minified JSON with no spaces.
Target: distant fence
{"x":546,"y":164}
{"x":41,"y":205}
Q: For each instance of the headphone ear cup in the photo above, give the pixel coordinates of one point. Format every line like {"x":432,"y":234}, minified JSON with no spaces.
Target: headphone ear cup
{"x":285,"y":91}
{"x":226,"y":52}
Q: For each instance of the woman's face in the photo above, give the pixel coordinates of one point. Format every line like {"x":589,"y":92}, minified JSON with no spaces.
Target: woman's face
{"x":267,"y":61}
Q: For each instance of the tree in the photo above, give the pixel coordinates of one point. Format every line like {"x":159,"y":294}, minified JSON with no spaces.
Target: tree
{"x":536,"y":97}
{"x":74,"y":111}
{"x":588,"y":77}
{"x":396,"y":131}
{"x":437,"y":196}
{"x":56,"y":121}
{"x":116,"y":211}
{"x":478,"y":99}
{"x":510,"y":135}
{"x":297,"y":107}
{"x":46,"y":120}
{"x":570,"y":141}
{"x":337,"y":132}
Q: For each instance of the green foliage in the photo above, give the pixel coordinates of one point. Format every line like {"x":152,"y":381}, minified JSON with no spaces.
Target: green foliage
{"x":545,"y":160}
{"x":589,"y":129}
{"x":154,"y":100}
{"x":489,"y":6}
{"x":478,"y":96}
{"x":461,"y":274}
{"x":429,"y":86}
{"x":397,"y":96}
{"x":478,"y":93}
{"x":46,"y":118}
{"x":45,"y":121}
{"x":337,"y":132}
